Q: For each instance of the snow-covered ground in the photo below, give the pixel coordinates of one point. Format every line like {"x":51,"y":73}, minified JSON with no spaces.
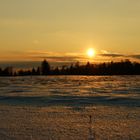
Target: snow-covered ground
{"x":59,"y":108}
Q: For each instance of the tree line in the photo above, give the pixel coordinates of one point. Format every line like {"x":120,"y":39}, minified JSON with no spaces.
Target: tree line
{"x":124,"y":67}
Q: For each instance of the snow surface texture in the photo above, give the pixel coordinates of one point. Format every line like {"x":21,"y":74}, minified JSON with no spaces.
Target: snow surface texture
{"x":59,"y":108}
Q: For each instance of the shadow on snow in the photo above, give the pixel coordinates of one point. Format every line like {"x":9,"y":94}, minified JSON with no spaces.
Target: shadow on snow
{"x":72,"y":101}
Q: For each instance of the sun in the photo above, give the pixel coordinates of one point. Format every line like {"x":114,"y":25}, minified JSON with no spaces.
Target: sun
{"x":90,"y":52}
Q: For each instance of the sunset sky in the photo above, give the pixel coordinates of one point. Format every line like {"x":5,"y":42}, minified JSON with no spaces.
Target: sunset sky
{"x":63,"y":30}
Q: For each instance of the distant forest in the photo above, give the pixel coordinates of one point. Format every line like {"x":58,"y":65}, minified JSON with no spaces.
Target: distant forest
{"x":124,"y":67}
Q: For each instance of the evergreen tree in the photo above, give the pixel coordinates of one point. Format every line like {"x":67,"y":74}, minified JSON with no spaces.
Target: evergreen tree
{"x":45,"y":68}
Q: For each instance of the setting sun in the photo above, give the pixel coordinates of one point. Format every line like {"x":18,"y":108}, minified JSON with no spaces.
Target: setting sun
{"x":91,"y":52}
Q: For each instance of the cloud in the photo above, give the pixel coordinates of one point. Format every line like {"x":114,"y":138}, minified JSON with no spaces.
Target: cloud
{"x":50,"y":56}
{"x":135,"y":56}
{"x":61,"y":58}
{"x":104,"y":52}
{"x":57,"y":57}
{"x":118,"y":56}
{"x":110,"y":54}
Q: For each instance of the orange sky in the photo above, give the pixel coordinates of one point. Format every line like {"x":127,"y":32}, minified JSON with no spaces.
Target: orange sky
{"x":37,"y":29}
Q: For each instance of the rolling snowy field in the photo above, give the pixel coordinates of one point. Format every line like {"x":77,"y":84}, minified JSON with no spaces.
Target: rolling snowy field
{"x":58,"y":108}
